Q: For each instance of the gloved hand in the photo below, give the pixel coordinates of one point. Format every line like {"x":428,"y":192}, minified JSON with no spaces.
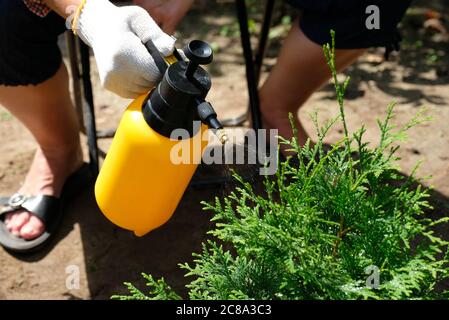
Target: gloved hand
{"x":117,"y":36}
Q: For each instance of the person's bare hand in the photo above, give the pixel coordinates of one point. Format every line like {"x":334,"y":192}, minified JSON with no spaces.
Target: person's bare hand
{"x":167,"y":13}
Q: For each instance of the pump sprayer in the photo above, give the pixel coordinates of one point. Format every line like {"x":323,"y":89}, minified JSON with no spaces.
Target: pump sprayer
{"x":139,"y":186}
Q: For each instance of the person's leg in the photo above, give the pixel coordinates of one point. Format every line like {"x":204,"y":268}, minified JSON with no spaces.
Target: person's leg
{"x":47,"y":111}
{"x":300,"y":70}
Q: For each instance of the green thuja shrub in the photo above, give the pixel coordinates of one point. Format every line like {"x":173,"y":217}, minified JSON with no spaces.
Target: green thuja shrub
{"x":338,"y":224}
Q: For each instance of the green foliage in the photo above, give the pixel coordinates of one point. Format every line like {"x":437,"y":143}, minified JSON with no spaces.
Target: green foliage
{"x":324,"y":219}
{"x":159,"y":291}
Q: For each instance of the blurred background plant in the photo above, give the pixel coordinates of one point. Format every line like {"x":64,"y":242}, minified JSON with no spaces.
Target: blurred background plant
{"x":281,"y":21}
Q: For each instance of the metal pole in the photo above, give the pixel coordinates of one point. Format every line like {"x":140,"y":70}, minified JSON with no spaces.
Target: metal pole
{"x":260,"y":55}
{"x":89,"y":111}
{"x":263,"y":39}
{"x":76,"y":78}
{"x":253,"y":91}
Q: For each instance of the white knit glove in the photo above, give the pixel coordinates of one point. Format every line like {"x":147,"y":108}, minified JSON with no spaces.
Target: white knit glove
{"x":117,"y":36}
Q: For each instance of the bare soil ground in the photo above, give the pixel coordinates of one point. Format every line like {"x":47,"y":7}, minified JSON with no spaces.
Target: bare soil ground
{"x":107,"y":256}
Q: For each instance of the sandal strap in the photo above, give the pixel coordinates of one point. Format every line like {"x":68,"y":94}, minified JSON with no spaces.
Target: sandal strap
{"x":42,"y":206}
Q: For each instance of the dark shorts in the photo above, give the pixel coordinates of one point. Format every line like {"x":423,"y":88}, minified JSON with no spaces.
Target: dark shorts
{"x":348,"y":19}
{"x":29,"y":52}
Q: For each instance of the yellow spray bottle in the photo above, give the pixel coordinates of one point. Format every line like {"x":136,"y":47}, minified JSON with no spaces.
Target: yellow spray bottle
{"x":139,"y":186}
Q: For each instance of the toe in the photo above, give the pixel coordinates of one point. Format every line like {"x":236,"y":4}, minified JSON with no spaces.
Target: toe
{"x":18,"y":220}
{"x":8,"y":218}
{"x":32,"y":229}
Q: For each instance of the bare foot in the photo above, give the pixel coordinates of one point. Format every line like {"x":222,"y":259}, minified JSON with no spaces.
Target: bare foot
{"x":47,"y":174}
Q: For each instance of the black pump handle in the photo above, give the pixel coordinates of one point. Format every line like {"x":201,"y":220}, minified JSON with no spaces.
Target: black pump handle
{"x":157,"y":57}
{"x":198,"y":52}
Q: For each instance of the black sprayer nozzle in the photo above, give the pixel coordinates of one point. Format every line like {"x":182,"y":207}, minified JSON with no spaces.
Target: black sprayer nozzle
{"x":208,"y":116}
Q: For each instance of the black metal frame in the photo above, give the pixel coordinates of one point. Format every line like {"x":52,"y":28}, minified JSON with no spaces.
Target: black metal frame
{"x":252,"y":77}
{"x":253,"y":64}
{"x":89,"y":111}
{"x":83,"y":95}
